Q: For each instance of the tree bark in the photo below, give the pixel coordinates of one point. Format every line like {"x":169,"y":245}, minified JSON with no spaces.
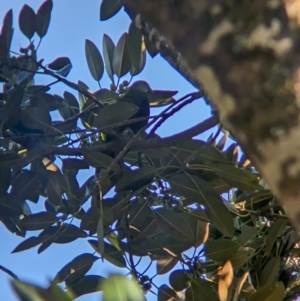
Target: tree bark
{"x":246,"y":57}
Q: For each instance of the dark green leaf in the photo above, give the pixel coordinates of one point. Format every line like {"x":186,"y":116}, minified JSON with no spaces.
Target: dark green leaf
{"x":7,"y":31}
{"x":165,"y":264}
{"x":26,"y":244}
{"x":115,"y":113}
{"x":179,"y":280}
{"x":76,"y":268}
{"x":121,"y":59}
{"x":109,"y":8}
{"x":94,"y":60}
{"x":173,"y":224}
{"x":25,"y":185}
{"x":62,"y":234}
{"x":165,"y":293}
{"x":108,"y":47}
{"x":276,"y":229}
{"x":201,"y":290}
{"x":111,"y":254}
{"x":70,"y":106}
{"x":135,"y":45}
{"x":27,"y":21}
{"x":197,"y":190}
{"x":87,"y":284}
{"x":38,"y":221}
{"x":97,"y":159}
{"x":61,"y":65}
{"x":37,"y":118}
{"x":220,"y":250}
{"x":241,"y":256}
{"x":8,"y":206}
{"x":73,"y":163}
{"x":270,"y":292}
{"x":133,"y":71}
{"x":237,"y":177}
{"x":270,"y":272}
{"x":43,"y":17}
{"x":105,"y":95}
{"x":159,"y":98}
{"x":137,"y":178}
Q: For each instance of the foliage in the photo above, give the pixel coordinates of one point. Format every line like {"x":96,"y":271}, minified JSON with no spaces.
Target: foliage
{"x":169,"y":197}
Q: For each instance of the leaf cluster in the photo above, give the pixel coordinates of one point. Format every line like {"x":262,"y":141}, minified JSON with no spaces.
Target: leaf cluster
{"x":195,"y":195}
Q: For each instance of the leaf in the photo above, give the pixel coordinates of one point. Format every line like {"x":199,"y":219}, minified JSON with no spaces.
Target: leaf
{"x":241,"y":256}
{"x":115,"y":113}
{"x":62,"y":234}
{"x":151,"y":47}
{"x":8,"y":206}
{"x":137,"y":178}
{"x":237,"y":177}
{"x":105,"y":95}
{"x":270,"y":292}
{"x":120,"y":288}
{"x":109,"y":8}
{"x":54,"y":193}
{"x":60,"y":64}
{"x":70,"y":106}
{"x":201,"y":290}
{"x":270,"y":272}
{"x":225,"y":281}
{"x":30,"y":292}
{"x":38,"y":221}
{"x":179,"y":280}
{"x":43,"y":17}
{"x":220,"y":250}
{"x":37,"y":118}
{"x":76,"y":268}
{"x":165,"y":264}
{"x":165,"y":293}
{"x":73,"y":163}
{"x":198,"y":190}
{"x":87,"y":284}
{"x":27,"y":244}
{"x":277,"y":227}
{"x":27,"y":21}
{"x":159,"y":98}
{"x":111,"y":254}
{"x":94,"y":60}
{"x":97,"y":159}
{"x":121,"y":59}
{"x":25,"y":185}
{"x":7,"y":31}
{"x":133,"y":71}
{"x":108,"y":47}
{"x":135,"y":45}
{"x":173,"y":224}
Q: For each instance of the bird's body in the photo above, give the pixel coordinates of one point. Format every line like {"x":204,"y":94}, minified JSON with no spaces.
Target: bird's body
{"x":138,"y":95}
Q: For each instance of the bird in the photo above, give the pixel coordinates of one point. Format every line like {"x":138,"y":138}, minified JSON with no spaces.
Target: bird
{"x":137,"y":94}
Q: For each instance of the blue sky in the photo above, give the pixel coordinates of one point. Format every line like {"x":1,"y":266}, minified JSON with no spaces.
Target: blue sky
{"x":72,"y":22}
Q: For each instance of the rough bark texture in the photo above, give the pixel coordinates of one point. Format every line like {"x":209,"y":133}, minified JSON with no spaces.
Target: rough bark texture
{"x":246,"y":57}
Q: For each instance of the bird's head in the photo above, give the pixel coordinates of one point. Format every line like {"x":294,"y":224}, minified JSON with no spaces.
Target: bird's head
{"x":140,"y":86}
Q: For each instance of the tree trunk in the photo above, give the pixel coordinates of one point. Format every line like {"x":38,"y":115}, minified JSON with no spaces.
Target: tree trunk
{"x":245,"y":55}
